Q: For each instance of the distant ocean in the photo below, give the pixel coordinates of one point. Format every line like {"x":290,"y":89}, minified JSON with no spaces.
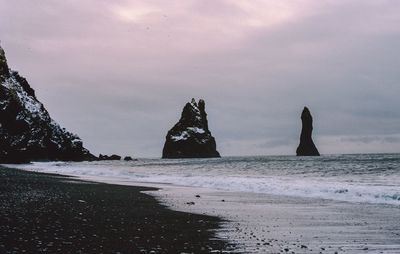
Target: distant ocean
{"x":361,"y":178}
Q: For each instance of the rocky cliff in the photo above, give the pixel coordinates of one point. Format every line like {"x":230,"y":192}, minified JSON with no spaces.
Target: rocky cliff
{"x":306,"y":146}
{"x":190,"y":137}
{"x":27,"y":132}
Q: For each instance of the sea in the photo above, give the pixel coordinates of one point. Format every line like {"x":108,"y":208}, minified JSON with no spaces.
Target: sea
{"x":271,"y":204}
{"x":360,"y":178}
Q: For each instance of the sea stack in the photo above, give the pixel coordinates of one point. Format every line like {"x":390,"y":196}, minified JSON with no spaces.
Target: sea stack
{"x":27,"y":132}
{"x":306,"y":146}
{"x":190,"y":137}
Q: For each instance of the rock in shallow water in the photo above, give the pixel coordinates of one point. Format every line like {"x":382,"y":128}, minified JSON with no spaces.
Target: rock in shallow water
{"x":190,"y":137}
{"x":306,"y":146}
{"x":128,"y":158}
{"x":27,"y":132}
{"x":113,"y":157}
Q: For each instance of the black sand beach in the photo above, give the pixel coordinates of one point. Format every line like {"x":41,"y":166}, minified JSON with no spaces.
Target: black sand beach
{"x":56,"y":214}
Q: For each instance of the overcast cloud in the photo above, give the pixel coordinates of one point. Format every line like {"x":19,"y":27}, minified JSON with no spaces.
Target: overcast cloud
{"x":118,"y":73}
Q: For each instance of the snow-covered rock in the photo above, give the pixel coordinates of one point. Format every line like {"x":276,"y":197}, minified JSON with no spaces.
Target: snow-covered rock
{"x":27,"y":132}
{"x":190,"y":137}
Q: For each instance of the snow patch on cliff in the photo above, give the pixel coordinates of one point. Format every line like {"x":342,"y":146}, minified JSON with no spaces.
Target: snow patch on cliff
{"x":28,"y":102}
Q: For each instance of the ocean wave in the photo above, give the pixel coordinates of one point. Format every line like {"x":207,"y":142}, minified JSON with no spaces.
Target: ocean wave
{"x":250,"y":175}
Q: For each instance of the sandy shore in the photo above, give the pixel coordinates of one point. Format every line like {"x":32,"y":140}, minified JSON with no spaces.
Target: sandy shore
{"x":262,"y":223}
{"x":279,"y":224}
{"x":43,"y":213}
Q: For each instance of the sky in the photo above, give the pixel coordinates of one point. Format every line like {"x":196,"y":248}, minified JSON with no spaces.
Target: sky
{"x":118,"y":73}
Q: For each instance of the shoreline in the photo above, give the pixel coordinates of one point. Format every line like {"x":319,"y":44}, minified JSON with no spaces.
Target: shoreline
{"x":43,"y":212}
{"x":260,"y":223}
{"x":270,"y":223}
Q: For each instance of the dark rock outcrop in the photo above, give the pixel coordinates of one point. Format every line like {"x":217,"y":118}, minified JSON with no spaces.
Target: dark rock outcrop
{"x":128,"y":158}
{"x":27,"y":132}
{"x":306,"y":146}
{"x":113,"y":157}
{"x":190,"y":137}
{"x":4,"y":72}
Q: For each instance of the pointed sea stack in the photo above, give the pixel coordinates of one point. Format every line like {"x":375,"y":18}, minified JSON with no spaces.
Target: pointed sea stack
{"x":190,"y":137}
{"x":27,"y":132}
{"x":306,"y":146}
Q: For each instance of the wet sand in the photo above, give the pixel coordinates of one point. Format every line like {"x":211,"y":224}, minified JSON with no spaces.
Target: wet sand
{"x":263,"y":223}
{"x":43,"y":213}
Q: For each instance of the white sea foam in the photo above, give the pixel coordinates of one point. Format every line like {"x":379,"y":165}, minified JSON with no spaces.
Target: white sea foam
{"x":370,"y":181}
